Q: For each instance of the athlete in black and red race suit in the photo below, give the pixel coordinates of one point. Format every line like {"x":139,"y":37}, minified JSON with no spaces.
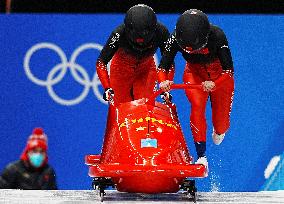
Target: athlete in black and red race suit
{"x":208,"y":62}
{"x":131,"y":48}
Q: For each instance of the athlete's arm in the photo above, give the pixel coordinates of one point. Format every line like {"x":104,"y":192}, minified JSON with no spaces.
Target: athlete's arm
{"x":162,"y":45}
{"x":169,"y":52}
{"x":106,"y":55}
{"x":224,"y":55}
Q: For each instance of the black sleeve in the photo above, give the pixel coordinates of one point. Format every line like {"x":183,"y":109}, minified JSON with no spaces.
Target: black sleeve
{"x":170,"y":51}
{"x":164,"y":36}
{"x":111,"y":45}
{"x":51,"y":183}
{"x":8,"y":177}
{"x":223,"y":50}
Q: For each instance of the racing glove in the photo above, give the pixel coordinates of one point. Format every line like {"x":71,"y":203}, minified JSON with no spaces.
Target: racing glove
{"x":166,"y":85}
{"x":108,"y":94}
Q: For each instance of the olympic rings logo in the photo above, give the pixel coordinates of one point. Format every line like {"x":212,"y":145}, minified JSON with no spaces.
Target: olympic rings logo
{"x":57,"y":73}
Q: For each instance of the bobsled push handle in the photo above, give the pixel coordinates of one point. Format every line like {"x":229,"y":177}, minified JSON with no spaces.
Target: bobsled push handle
{"x":174,"y":86}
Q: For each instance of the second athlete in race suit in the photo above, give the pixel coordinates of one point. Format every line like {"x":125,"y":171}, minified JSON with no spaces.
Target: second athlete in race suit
{"x":208,"y":62}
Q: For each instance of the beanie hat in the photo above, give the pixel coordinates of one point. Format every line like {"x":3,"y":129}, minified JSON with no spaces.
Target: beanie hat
{"x":37,"y":139}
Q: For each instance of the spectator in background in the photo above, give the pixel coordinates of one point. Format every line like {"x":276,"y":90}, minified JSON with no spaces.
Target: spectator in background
{"x":32,"y":171}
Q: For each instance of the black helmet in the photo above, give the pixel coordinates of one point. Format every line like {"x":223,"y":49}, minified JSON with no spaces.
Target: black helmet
{"x":140,"y":24}
{"x":192,"y":30}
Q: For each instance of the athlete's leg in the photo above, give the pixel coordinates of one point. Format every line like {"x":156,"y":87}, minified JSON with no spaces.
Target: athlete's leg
{"x":121,"y":78}
{"x":145,"y":79}
{"x":198,"y":99}
{"x":221,"y":102}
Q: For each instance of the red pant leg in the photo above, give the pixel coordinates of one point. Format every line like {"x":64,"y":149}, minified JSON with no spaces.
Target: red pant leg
{"x":198,"y":99}
{"x":221,"y":100}
{"x":122,"y":77}
{"x":127,"y":74}
{"x":145,"y":79}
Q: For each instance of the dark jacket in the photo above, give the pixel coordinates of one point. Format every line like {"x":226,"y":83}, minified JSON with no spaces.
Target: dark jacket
{"x":20,"y":175}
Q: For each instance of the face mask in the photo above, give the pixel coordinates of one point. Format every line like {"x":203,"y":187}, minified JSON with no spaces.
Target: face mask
{"x":36,"y":159}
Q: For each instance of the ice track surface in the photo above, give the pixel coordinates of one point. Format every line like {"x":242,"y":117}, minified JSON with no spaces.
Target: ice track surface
{"x":86,"y":197}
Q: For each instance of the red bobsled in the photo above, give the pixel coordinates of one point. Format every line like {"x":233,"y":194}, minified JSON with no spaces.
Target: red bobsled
{"x":144,"y":150}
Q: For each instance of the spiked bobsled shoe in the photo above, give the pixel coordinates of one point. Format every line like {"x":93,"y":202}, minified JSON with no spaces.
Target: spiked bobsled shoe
{"x":203,"y":161}
{"x":217,"y":139}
